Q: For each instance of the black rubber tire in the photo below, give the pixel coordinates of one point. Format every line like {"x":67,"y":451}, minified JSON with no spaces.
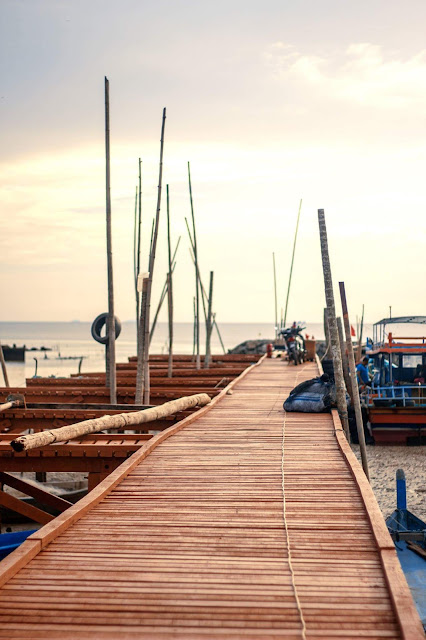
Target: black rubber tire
{"x":98,"y":324}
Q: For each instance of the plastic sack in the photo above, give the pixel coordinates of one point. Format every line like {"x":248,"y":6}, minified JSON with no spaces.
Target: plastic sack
{"x":312,"y":396}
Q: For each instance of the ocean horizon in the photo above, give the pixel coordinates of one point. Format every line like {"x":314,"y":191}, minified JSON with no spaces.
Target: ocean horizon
{"x":73,"y":340}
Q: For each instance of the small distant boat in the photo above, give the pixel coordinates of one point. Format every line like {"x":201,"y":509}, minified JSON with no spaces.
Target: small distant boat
{"x":13,"y":353}
{"x":409,"y":535}
{"x":396,"y":402}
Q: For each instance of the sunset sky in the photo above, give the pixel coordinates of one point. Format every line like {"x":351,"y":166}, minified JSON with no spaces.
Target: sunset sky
{"x":270,"y":101}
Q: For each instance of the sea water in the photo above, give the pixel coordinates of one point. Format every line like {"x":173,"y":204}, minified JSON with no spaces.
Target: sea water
{"x":73,"y":339}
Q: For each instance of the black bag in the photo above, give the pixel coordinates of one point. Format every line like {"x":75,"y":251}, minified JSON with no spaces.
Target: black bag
{"x":312,"y":396}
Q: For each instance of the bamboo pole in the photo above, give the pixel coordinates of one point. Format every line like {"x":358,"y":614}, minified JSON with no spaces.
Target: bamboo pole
{"x":275,"y":297}
{"x":163,"y":295}
{"x":144,"y":381}
{"x":119,"y":421}
{"x":135,"y":244}
{"x":138,"y":249}
{"x":209,"y":324}
{"x":332,"y":325}
{"x":12,"y":401}
{"x":111,"y":376}
{"x":292,"y":263}
{"x":3,"y":367}
{"x":203,"y":291}
{"x":359,"y":350}
{"x":169,"y":291}
{"x":194,"y":337}
{"x":354,"y":384}
{"x":197,"y":284}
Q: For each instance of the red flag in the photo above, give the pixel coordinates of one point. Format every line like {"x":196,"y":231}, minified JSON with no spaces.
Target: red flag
{"x":353,"y":334}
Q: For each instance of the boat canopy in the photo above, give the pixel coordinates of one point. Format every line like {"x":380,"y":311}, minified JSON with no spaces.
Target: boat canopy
{"x":402,"y":320}
{"x":379,"y":327}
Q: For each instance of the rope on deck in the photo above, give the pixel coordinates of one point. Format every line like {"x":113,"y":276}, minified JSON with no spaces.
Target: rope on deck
{"x":290,"y":564}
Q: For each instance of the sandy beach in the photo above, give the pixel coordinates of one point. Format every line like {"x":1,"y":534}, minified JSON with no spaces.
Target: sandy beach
{"x":383,"y":463}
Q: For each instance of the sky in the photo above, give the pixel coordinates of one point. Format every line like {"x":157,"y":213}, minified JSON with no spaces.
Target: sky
{"x":271,"y":102}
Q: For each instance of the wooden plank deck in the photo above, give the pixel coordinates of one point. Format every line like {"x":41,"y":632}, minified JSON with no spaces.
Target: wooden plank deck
{"x":239,"y":522}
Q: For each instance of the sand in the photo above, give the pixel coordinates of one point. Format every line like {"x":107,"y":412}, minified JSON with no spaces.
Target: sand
{"x":383,"y":461}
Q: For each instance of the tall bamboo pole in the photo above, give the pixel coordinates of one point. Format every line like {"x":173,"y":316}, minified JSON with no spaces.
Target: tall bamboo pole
{"x":143,"y":382}
{"x":354,"y":384}
{"x":292,"y":262}
{"x":275,"y":296}
{"x":3,"y":367}
{"x":209,"y":324}
{"x":138,"y":257}
{"x":204,"y":299}
{"x":112,"y":380}
{"x":170,"y":291}
{"x":194,"y":332}
{"x":163,"y":294}
{"x":197,"y":283}
{"x":332,"y":325}
{"x":135,"y":265}
{"x":359,"y":350}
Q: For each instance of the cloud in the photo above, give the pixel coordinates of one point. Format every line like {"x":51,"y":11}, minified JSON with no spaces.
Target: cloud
{"x":363,"y":74}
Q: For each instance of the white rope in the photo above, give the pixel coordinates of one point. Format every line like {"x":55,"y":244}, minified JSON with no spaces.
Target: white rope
{"x":290,"y":564}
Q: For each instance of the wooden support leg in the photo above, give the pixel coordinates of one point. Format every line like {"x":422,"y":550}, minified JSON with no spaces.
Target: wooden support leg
{"x":94,"y":478}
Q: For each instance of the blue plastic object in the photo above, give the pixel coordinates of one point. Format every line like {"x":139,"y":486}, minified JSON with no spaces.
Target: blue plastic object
{"x":11,"y":541}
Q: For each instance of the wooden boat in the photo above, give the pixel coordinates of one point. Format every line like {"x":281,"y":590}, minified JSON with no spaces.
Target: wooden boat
{"x":396,"y":402}
{"x":409,"y":535}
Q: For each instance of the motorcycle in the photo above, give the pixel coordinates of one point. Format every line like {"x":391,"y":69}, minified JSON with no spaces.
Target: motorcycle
{"x":294,"y":343}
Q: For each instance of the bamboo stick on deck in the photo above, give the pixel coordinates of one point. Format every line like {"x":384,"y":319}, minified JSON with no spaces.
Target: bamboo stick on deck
{"x":3,"y":367}
{"x":111,"y":377}
{"x":354,"y":384}
{"x":119,"y":421}
{"x":332,"y":325}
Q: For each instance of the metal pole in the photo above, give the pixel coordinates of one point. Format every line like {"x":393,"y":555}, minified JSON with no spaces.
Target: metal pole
{"x":112,"y":380}
{"x":332,"y":324}
{"x":354,"y":384}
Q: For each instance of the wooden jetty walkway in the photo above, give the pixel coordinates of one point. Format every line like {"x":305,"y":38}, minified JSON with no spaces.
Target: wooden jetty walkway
{"x":238,"y":522}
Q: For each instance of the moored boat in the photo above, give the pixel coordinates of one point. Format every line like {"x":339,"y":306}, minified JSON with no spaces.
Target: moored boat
{"x":396,"y":401}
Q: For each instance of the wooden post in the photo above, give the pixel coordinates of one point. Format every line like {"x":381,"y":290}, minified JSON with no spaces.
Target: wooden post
{"x":3,"y":367}
{"x":138,"y":249}
{"x":292,"y":262}
{"x":111,"y":375}
{"x":332,"y":324}
{"x":354,"y":383}
{"x":345,"y":363}
{"x":197,"y":283}
{"x":275,"y":296}
{"x":209,"y":324}
{"x":327,"y":353}
{"x":169,"y":291}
